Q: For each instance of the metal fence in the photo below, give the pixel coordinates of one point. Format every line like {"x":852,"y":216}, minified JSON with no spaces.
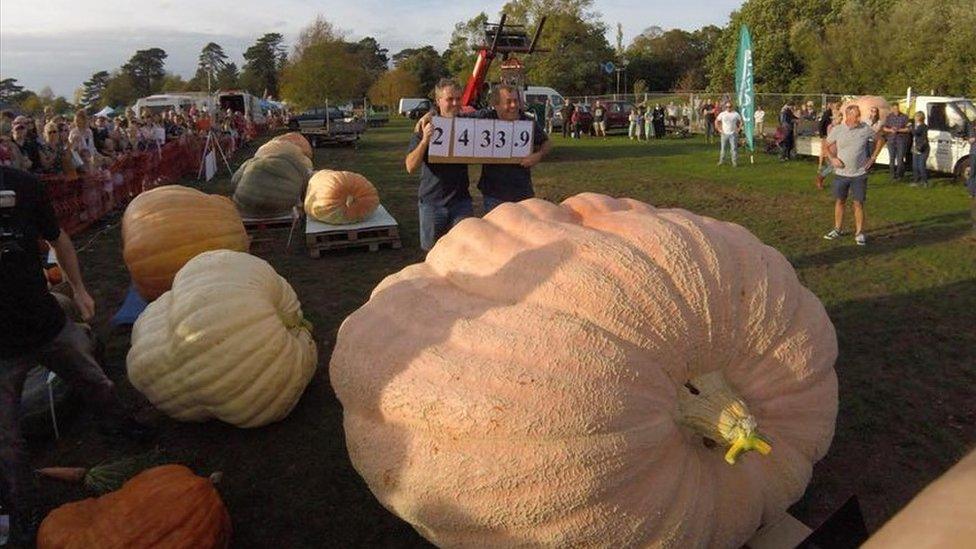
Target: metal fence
{"x":686,"y":107}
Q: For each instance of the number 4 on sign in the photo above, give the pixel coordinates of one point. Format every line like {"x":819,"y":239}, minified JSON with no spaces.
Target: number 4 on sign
{"x":440,"y":137}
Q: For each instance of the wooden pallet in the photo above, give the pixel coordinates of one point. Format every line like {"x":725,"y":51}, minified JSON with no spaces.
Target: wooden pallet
{"x":380,"y":229}
{"x":260,"y":229}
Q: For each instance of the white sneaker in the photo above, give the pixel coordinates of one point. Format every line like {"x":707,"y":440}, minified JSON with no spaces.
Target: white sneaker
{"x":860,"y":239}
{"x":833,"y":234}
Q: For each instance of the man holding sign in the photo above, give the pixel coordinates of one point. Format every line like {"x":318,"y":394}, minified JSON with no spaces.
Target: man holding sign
{"x":444,"y":199}
{"x":511,"y":182}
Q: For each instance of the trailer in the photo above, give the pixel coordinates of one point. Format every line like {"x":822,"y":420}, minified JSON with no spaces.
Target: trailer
{"x":328,"y":126}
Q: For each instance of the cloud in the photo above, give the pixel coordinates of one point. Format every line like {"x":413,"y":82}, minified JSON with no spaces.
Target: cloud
{"x":74,"y":43}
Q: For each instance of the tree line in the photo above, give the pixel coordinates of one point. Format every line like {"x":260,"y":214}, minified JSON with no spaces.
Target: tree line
{"x":800,"y":46}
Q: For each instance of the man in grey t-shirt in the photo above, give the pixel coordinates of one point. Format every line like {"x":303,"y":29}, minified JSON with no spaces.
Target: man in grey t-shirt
{"x":846,"y":145}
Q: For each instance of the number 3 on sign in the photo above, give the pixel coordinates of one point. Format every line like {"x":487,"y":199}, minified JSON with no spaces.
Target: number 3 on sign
{"x":484,"y":131}
{"x":522,"y":138}
{"x":440,"y":137}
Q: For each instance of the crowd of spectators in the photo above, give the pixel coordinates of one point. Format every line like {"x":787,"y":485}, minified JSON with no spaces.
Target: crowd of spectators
{"x":52,"y":143}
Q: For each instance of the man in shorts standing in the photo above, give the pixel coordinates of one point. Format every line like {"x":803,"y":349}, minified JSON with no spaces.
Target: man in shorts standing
{"x":599,"y":120}
{"x":847,"y":149}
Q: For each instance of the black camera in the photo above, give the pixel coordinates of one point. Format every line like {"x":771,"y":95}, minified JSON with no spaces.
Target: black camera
{"x":10,"y":234}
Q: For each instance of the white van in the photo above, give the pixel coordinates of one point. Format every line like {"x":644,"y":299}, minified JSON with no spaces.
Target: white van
{"x":408,"y":103}
{"x":539,"y":94}
{"x":242,"y":102}
{"x":176,"y":101}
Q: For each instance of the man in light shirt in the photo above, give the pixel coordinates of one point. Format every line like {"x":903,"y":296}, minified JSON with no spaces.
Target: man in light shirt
{"x":728,"y":123}
{"x":847,"y":149}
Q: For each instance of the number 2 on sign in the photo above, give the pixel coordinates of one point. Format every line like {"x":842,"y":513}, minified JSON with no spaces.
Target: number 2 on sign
{"x":439,"y":146}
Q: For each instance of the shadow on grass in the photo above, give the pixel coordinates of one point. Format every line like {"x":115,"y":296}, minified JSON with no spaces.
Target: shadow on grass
{"x":906,"y":372}
{"x":889,"y":238}
{"x":617,"y":151}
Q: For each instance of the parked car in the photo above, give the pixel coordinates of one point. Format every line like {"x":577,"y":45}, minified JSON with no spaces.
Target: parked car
{"x":586,"y":119}
{"x":420,"y":110}
{"x":617,"y":113}
{"x":408,"y":103}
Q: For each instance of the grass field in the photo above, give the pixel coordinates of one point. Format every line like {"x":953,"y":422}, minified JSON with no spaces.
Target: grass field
{"x":904,"y":308}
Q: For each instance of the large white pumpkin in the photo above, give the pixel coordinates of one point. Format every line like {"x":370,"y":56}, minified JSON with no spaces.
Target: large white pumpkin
{"x":228,"y":341}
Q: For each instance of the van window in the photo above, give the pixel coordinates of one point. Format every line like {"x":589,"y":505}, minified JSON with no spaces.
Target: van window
{"x":557,"y":101}
{"x":937,"y":117}
{"x":535,"y":99}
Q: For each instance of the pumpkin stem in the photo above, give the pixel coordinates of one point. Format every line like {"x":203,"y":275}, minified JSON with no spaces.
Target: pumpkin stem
{"x":349,"y":200}
{"x":709,"y":407}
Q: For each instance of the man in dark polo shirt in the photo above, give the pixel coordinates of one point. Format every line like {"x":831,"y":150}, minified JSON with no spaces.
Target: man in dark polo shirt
{"x":896,"y":132}
{"x":34,"y":330}
{"x":444,"y":199}
{"x":510,"y":182}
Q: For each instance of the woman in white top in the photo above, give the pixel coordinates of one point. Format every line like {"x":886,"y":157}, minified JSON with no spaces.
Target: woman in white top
{"x":81,"y":137}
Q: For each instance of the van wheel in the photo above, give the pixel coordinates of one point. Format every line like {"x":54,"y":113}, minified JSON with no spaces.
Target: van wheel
{"x":961,"y":173}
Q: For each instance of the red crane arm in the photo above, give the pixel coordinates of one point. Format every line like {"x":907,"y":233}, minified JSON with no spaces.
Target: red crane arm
{"x":477,"y":78}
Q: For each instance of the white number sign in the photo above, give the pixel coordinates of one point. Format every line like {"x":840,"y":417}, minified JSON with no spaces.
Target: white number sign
{"x":440,"y":137}
{"x":484,"y":131}
{"x":522,"y":138}
{"x":503,"y":139}
{"x":464,"y":136}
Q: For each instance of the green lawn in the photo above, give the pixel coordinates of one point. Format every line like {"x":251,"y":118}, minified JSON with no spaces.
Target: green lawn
{"x":904,"y":309}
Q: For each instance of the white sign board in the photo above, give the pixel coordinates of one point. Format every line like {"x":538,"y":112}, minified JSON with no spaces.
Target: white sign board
{"x":522,"y":138}
{"x":210,"y":165}
{"x":464,"y":136}
{"x":484,"y":131}
{"x":440,"y":137}
{"x":503,"y":139}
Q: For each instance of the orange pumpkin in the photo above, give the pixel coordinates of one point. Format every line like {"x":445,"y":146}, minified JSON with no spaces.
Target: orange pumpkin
{"x":164,"y":228}
{"x":297,"y":139}
{"x":340,"y":197}
{"x":166,"y":507}
{"x":590,"y":374}
{"x":865,"y":102}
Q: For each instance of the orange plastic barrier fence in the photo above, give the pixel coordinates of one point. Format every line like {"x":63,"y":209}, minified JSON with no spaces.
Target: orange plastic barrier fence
{"x":81,"y":200}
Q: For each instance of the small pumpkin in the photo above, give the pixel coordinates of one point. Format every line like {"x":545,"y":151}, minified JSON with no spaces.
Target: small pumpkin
{"x":298,"y":139}
{"x":340,"y":198}
{"x":595,"y":373}
{"x":166,"y":507}
{"x":228,"y":341}
{"x":268,"y":186}
{"x":942,"y":515}
{"x":167,"y":226}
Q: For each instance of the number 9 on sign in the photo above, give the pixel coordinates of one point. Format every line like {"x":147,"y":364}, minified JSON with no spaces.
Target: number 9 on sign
{"x":522,"y":138}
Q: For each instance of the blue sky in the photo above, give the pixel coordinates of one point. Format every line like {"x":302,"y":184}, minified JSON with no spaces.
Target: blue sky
{"x":60,"y":43}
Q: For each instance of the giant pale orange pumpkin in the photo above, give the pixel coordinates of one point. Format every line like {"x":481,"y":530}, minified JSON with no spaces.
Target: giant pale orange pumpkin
{"x":340,"y":197}
{"x":865,"y":102}
{"x":166,"y":507}
{"x":299,"y":140}
{"x":589,"y":374}
{"x":164,"y":228}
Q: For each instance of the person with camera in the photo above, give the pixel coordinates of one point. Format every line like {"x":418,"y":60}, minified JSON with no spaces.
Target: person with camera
{"x":34,"y":330}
